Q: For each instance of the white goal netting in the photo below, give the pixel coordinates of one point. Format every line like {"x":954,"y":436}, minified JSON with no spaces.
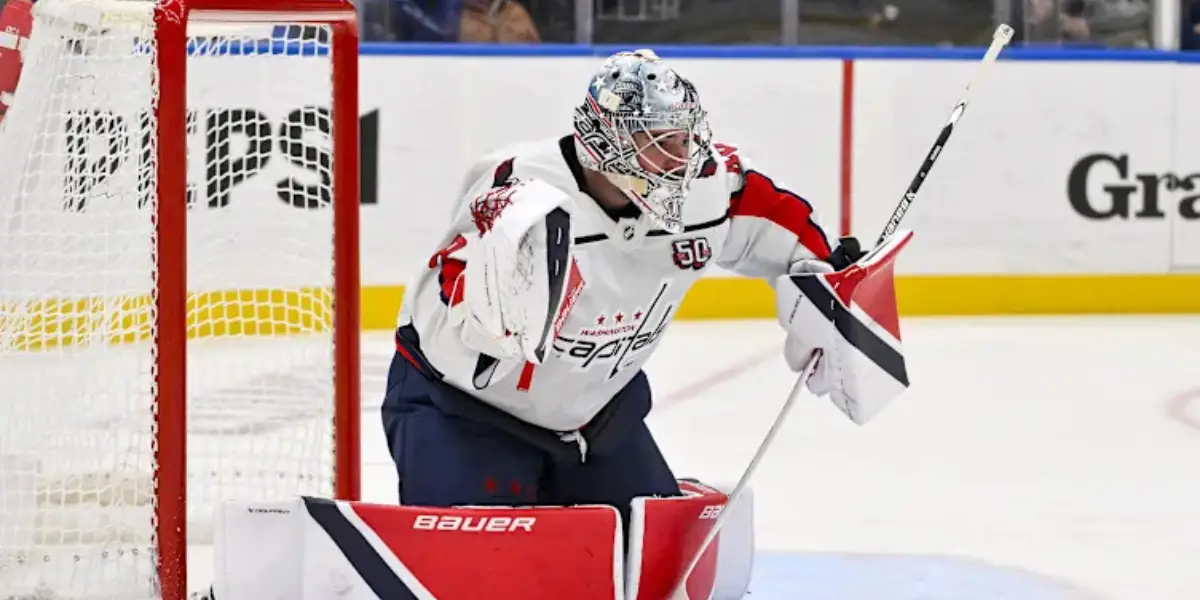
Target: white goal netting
{"x":79,"y":278}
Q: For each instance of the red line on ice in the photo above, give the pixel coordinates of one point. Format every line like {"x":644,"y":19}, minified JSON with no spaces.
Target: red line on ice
{"x":715,"y":378}
{"x":1178,"y":408}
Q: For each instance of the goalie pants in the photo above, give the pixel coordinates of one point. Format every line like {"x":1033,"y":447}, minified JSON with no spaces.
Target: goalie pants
{"x":451,"y":449}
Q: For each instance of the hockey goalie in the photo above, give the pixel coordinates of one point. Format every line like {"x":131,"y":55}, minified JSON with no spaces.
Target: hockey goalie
{"x":516,"y":399}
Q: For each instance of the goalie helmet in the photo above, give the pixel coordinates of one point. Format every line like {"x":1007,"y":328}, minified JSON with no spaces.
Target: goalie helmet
{"x":642,"y":126}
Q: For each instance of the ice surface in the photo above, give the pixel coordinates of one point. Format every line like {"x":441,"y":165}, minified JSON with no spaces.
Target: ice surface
{"x":1040,"y":458}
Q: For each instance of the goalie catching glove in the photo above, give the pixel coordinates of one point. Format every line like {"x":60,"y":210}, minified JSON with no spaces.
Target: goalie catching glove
{"x":850,"y":320}
{"x":521,"y":280}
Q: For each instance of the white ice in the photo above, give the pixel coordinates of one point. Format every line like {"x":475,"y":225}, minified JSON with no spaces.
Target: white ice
{"x":1063,"y":448}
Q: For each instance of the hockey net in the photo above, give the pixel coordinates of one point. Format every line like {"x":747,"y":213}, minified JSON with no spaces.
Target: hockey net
{"x":178,"y":282}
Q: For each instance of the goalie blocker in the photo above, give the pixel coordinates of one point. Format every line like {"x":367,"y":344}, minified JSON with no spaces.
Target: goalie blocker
{"x":851,"y":318}
{"x":316,"y":549}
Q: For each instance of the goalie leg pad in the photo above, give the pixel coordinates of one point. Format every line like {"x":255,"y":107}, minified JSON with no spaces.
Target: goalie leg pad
{"x":665,"y":533}
{"x":310,"y":549}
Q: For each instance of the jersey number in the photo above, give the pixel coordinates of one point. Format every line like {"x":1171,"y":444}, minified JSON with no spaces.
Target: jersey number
{"x":692,"y":253}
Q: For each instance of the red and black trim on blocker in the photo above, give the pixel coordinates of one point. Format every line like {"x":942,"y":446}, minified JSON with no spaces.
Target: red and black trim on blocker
{"x":359,"y":552}
{"x":817,"y":290}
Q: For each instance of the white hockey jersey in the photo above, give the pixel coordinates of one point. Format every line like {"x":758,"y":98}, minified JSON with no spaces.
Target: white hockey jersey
{"x":635,"y":277}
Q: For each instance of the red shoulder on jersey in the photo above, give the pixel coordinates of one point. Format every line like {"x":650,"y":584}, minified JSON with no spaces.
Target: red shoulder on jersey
{"x":760,"y":197}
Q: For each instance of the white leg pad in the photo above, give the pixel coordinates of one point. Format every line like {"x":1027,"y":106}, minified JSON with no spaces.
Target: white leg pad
{"x":258,"y":550}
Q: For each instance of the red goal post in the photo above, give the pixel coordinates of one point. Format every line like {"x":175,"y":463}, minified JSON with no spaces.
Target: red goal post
{"x":171,"y":18}
{"x":153,"y":366}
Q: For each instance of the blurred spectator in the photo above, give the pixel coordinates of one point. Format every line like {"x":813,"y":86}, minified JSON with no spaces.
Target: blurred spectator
{"x":1111,"y":23}
{"x":447,"y":21}
{"x":1042,"y":22}
{"x":504,"y":21}
{"x":412,"y":20}
{"x":822,"y":22}
{"x":1189,"y":36}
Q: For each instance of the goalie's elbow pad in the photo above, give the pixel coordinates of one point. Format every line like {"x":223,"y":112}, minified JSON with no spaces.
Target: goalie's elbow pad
{"x":521,"y":278}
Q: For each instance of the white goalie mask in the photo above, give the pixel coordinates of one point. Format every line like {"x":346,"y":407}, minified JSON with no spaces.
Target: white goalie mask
{"x":642,"y":126}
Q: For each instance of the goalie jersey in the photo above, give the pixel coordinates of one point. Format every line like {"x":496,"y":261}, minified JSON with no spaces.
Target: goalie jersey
{"x":635,"y":278}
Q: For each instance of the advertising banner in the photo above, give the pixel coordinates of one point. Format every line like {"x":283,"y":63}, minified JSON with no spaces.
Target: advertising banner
{"x":1070,"y":172}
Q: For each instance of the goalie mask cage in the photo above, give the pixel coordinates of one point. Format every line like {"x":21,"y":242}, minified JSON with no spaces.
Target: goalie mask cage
{"x":178,"y":283}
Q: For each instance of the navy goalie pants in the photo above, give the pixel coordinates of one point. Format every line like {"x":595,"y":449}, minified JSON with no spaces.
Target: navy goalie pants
{"x":451,"y":449}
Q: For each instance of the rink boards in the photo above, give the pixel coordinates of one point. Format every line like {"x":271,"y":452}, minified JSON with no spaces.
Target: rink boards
{"x":1055,"y":195}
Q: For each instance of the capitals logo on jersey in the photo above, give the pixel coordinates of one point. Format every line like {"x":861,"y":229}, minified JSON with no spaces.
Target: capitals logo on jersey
{"x":618,"y":337}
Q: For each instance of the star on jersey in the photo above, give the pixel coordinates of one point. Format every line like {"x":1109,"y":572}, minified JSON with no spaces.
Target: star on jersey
{"x":619,"y":317}
{"x":618,"y":338}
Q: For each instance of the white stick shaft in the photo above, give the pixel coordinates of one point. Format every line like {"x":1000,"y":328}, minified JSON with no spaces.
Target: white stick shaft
{"x":1000,"y":38}
{"x":680,"y":588}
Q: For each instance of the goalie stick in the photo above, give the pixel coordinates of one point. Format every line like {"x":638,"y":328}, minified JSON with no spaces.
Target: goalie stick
{"x":1000,"y":38}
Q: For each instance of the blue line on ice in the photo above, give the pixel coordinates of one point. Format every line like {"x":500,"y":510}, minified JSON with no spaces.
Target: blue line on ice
{"x":779,"y":576}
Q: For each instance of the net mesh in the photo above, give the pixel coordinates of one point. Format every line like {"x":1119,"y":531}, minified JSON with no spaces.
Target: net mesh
{"x":78,"y":282}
